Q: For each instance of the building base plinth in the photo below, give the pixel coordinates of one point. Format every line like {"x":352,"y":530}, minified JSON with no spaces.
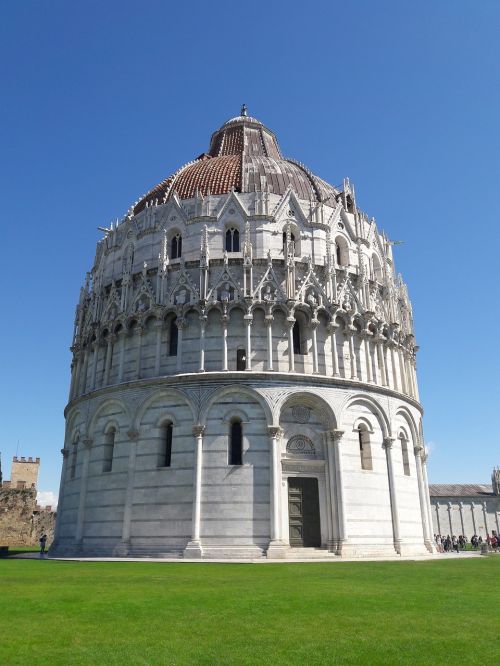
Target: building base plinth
{"x":122,"y":549}
{"x":193,"y":550}
{"x":277,"y":550}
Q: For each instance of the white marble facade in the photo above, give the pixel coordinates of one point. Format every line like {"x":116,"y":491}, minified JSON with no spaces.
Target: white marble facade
{"x":279,"y":312}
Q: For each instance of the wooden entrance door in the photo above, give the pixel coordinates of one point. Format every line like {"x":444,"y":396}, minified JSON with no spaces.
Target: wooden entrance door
{"x":303,"y":512}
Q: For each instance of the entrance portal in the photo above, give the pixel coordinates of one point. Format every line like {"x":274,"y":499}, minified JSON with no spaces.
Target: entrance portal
{"x":303,"y":512}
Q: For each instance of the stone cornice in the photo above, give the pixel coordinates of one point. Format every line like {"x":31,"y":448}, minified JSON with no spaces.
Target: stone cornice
{"x":247,"y":378}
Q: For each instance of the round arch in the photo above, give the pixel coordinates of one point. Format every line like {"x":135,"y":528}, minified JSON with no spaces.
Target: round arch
{"x":241,"y":389}
{"x":307,"y":399}
{"x":371,"y":404}
{"x":407,"y":417}
{"x":153,"y":397}
{"x":101,"y":407}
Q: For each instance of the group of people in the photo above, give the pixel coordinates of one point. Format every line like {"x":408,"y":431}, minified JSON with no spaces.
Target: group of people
{"x":447,"y":544}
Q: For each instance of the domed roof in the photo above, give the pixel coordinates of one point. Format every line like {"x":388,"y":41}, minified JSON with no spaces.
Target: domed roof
{"x":244,"y":155}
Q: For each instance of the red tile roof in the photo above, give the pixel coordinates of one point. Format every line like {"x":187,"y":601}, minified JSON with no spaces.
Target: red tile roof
{"x":244,"y":155}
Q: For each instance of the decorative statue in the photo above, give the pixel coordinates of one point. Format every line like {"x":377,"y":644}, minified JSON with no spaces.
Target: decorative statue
{"x":268,"y":294}
{"x":225,"y":294}
{"x":180,"y":298}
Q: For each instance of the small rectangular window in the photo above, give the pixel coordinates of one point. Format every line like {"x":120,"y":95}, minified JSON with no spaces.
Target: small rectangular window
{"x":236,"y":444}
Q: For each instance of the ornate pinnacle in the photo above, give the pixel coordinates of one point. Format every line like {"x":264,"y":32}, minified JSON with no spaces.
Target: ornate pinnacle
{"x":244,"y":111}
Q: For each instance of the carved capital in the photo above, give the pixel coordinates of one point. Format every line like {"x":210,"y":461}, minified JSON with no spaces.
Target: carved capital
{"x":65,"y":453}
{"x":87,"y":443}
{"x":332,"y":328}
{"x":275,"y":432}
{"x":418,"y":450}
{"x":314,"y":323}
{"x":336,"y":435}
{"x":388,"y":442}
{"x":198,"y":430}
{"x":133,"y":435}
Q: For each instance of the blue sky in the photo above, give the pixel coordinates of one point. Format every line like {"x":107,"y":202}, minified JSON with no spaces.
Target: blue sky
{"x":100,"y":101}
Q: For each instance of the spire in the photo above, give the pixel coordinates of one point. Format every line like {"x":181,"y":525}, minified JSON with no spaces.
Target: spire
{"x":244,"y":110}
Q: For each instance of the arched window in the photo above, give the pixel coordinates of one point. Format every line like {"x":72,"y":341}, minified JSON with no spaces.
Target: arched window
{"x":404,"y":454}
{"x":232,"y":240}
{"x":176,"y":247}
{"x":109,"y":447}
{"x":377,"y":269}
{"x":165,"y":457}
{"x":241,"y":359}
{"x":337,"y":255}
{"x":299,"y":337}
{"x":292,"y":239}
{"x":342,"y":251}
{"x":365,"y":452}
{"x":74,"y":457}
{"x":173,"y":337}
{"x":235,"y":453}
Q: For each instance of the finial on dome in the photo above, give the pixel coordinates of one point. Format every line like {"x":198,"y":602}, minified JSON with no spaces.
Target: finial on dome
{"x":244,"y":111}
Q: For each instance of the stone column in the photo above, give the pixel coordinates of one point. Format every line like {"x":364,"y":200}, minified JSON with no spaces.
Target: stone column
{"x":366,"y":344}
{"x":140,"y":333}
{"x":181,"y":325}
{"x":331,"y":483}
{"x":60,"y":507}
{"x":121,"y":357}
{"x":123,"y":548}
{"x":449,"y":518}
{"x":109,"y":356}
{"x":95,"y":349}
{"x":388,"y":442}
{"x":249,"y":321}
{"x":381,"y":359}
{"x":314,"y":326}
{"x":158,"y":328}
{"x":393,"y":365}
{"x":415,"y":383}
{"x":474,"y":527}
{"x":83,"y":387}
{"x":409,"y":375}
{"x":461,"y":508}
{"x":354,"y":371}
{"x":74,"y":375}
{"x":427,"y":529}
{"x":404,"y":385}
{"x":290,"y":322}
{"x":269,"y":324}
{"x":332,"y":329}
{"x":80,"y":519}
{"x":485,"y":514}
{"x":194,"y":548}
{"x":225,"y":319}
{"x":438,"y":522}
{"x":203,"y":325}
{"x":277,"y":546}
{"x":426,"y":485}
{"x":339,"y":493}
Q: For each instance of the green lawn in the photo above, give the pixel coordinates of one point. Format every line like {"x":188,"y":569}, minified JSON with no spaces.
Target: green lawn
{"x":438,"y":612}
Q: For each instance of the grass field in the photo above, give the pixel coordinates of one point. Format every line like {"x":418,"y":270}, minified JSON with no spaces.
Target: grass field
{"x":438,"y":612}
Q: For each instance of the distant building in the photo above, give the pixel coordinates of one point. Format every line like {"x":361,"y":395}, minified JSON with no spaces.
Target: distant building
{"x":466,"y":508}
{"x":22,"y":521}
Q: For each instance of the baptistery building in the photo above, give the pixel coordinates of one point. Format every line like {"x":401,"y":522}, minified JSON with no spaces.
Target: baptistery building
{"x":243,"y":380}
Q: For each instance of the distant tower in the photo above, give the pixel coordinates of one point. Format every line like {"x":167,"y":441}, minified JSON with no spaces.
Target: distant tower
{"x":24,"y":473}
{"x":495,"y":480}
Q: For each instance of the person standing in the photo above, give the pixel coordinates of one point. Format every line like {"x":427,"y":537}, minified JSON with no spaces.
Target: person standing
{"x":43,"y":543}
